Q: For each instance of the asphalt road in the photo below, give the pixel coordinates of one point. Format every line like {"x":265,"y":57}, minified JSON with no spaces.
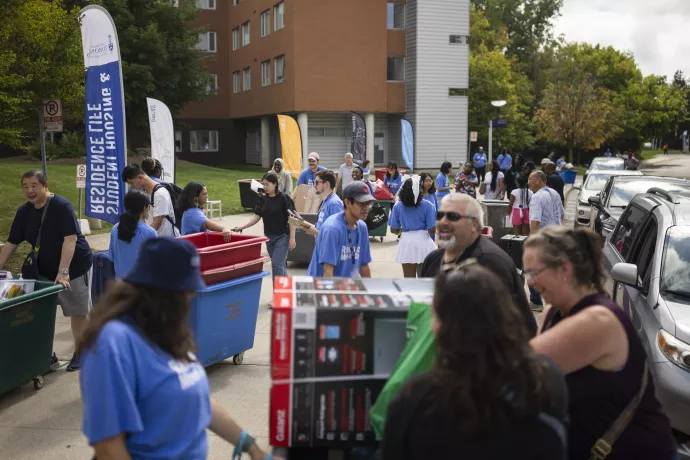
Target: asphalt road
{"x":668,"y":165}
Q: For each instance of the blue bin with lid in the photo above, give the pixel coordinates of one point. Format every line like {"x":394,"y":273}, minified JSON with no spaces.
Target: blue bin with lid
{"x":223,"y":318}
{"x":568,"y":175}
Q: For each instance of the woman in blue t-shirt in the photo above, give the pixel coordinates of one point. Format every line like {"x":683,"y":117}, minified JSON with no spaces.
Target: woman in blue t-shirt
{"x":145,"y":394}
{"x":415,"y":217}
{"x":393,"y":178}
{"x":443,"y":182}
{"x":127,"y":235}
{"x":191,"y":202}
{"x":428,"y":189}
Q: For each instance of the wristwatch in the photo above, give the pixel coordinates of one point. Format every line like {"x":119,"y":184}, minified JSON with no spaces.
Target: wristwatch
{"x":64,"y":272}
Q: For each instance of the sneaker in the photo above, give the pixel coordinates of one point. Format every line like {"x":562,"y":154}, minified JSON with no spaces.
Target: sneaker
{"x":270,"y":304}
{"x":54,"y":362}
{"x":73,"y":364}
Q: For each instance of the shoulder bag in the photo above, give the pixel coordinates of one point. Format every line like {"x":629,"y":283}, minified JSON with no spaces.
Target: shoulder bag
{"x":30,"y":266}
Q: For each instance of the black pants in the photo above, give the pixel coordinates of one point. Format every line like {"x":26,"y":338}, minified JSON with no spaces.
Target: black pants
{"x":481,"y":173}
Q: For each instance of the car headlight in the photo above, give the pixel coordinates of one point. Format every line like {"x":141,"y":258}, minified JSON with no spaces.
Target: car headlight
{"x":677,"y":351}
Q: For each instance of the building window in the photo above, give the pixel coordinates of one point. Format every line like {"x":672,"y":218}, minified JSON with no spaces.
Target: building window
{"x":206,"y":4}
{"x":178,"y":141}
{"x":235,"y":82}
{"x":212,"y":87}
{"x":396,"y":68}
{"x":315,"y":132}
{"x":280,"y":69}
{"x":235,"y":2}
{"x":459,"y":39}
{"x":334,"y":132}
{"x":396,"y":15}
{"x":246,"y":79}
{"x":265,"y":23}
{"x":265,"y":73}
{"x":457,"y":92}
{"x":207,"y":42}
{"x":203,"y":141}
{"x":235,"y":38}
{"x":279,"y":16}
{"x":246,"y":37}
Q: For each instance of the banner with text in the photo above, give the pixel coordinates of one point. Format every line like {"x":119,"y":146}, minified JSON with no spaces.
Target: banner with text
{"x":358,"y":147}
{"x":291,"y":142}
{"x":162,"y":137}
{"x":106,"y":143}
{"x":407,"y":143}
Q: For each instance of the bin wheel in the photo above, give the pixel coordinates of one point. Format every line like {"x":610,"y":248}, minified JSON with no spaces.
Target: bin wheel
{"x":38,"y":382}
{"x":238,"y":358}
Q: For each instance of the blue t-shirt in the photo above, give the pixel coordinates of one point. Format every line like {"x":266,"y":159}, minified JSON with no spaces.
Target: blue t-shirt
{"x":123,"y":254}
{"x":479,"y":160}
{"x":442,"y":181}
{"x":308,"y":176}
{"x":193,"y":220}
{"x":413,"y":218}
{"x":393,"y":184}
{"x":431,"y":198}
{"x":331,"y":205}
{"x":345,"y":248}
{"x":504,"y":161}
{"x":130,"y":386}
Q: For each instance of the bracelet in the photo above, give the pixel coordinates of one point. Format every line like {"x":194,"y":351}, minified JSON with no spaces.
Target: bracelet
{"x":243,"y":445}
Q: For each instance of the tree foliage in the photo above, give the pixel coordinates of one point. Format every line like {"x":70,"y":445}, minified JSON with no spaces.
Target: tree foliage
{"x":40,"y":58}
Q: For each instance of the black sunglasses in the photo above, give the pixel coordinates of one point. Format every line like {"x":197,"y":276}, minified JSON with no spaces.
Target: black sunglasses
{"x":451,"y":216}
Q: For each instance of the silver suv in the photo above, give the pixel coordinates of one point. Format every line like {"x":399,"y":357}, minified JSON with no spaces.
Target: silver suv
{"x":648,"y":258}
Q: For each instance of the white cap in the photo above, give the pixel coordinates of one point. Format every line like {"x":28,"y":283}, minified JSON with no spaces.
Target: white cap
{"x":314,"y":155}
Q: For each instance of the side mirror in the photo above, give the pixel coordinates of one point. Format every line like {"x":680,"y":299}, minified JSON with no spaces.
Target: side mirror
{"x":595,"y":201}
{"x":626,"y":274}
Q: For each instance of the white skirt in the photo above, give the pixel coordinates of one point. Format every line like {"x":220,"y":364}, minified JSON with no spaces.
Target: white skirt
{"x":414,"y":247}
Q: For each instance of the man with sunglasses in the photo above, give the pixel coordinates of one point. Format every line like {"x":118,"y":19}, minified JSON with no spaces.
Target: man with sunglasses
{"x":330,"y":202}
{"x":342,"y":247}
{"x":459,"y":224}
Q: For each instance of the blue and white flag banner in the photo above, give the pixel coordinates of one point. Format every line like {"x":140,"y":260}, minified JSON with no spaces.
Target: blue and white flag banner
{"x":407,"y":143}
{"x":106,"y":143}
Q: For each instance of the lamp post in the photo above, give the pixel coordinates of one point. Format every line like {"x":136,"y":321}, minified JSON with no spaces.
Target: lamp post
{"x":498,"y":105}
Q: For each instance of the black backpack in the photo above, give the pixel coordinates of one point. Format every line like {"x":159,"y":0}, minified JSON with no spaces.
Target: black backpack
{"x":175,"y":191}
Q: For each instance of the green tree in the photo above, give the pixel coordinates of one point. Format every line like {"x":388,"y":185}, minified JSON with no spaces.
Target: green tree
{"x":40,"y":58}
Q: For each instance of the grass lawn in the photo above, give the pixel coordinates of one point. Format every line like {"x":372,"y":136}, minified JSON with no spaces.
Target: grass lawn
{"x":221,"y":184}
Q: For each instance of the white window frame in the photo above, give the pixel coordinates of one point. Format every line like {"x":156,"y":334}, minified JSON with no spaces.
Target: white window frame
{"x":212,"y":141}
{"x":266,"y":73}
{"x":235,"y":2}
{"x":212,"y":87}
{"x":403,"y":68}
{"x":247,"y":79}
{"x":276,"y":60}
{"x":278,"y":16}
{"x":236,"y":82}
{"x":206,"y":4}
{"x":178,"y":141}
{"x":265,"y":22}
{"x":205,"y":42}
{"x":392,"y":26}
{"x":235,"y":38}
{"x":246,"y":33}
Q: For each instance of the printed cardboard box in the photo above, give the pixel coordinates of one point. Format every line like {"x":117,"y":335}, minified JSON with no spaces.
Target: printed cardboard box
{"x":306,"y":200}
{"x":335,"y":342}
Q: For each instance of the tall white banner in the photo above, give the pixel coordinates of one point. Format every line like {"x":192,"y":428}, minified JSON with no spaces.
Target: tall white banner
{"x":162,"y":137}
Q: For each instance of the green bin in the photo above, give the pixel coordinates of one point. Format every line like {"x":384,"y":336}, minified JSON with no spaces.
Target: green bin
{"x":27,"y":327}
{"x":383,"y":229}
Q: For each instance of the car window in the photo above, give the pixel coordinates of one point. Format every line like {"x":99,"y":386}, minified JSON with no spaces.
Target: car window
{"x":597,"y":181}
{"x":625,"y":191}
{"x":627,"y":230}
{"x":605,"y":192}
{"x":644,"y":255}
{"x":676,"y":265}
{"x":608,"y":164}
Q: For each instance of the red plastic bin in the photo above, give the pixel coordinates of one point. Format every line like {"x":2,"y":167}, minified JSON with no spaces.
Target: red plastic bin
{"x":214,"y":252}
{"x":231,"y":272}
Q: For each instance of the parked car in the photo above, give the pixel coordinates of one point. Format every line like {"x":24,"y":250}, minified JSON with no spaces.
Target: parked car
{"x":605,"y":164}
{"x":648,"y":259}
{"x":609,"y":204}
{"x":593,"y":184}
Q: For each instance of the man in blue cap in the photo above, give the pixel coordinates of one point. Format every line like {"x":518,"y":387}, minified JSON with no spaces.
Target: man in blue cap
{"x":342,"y":247}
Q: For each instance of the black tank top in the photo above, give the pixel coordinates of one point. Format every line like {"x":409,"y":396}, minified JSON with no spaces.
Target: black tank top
{"x":598,"y":397}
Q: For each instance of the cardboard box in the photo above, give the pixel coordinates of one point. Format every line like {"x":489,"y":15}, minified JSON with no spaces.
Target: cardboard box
{"x":335,"y":342}
{"x":306,"y":200}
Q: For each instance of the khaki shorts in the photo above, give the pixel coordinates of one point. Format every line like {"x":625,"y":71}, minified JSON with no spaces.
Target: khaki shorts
{"x":77,"y":301}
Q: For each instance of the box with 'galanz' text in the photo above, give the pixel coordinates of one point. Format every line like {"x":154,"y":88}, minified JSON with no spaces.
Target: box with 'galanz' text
{"x":335,"y":342}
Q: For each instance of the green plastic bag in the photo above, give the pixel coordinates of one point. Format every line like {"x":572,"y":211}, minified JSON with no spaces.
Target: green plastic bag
{"x":417,"y":358}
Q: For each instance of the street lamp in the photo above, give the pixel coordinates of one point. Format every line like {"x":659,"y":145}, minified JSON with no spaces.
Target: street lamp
{"x":498,"y":105}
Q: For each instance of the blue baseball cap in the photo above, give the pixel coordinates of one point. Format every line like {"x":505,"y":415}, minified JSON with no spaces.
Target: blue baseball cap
{"x":167,"y":263}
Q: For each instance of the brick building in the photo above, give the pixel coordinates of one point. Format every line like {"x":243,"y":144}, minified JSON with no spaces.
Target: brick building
{"x":318,"y":60}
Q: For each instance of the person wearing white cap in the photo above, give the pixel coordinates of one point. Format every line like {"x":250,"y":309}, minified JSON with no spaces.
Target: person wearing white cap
{"x":308,"y":176}
{"x":345,"y":172}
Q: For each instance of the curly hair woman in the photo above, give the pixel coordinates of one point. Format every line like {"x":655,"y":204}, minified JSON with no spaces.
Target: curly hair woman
{"x":489,"y":396}
{"x":415,"y":217}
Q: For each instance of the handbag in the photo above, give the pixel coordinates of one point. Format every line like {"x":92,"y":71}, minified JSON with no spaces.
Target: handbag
{"x":30,"y":265}
{"x":377,"y":217}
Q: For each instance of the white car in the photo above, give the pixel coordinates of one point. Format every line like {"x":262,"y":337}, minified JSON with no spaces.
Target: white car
{"x":593,"y":184}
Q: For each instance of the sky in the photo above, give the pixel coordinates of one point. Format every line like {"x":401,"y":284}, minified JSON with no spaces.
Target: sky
{"x":653,"y":30}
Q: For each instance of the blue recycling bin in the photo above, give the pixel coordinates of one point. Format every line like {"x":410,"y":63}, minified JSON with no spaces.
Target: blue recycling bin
{"x":568,"y":175}
{"x":223,"y":318}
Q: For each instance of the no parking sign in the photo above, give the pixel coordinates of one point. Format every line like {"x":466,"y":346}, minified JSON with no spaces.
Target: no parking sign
{"x":52,"y":116}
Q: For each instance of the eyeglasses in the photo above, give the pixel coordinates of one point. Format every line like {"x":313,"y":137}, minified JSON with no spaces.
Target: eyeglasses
{"x":366,"y":205}
{"x":451,"y":216}
{"x":532,"y":275}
